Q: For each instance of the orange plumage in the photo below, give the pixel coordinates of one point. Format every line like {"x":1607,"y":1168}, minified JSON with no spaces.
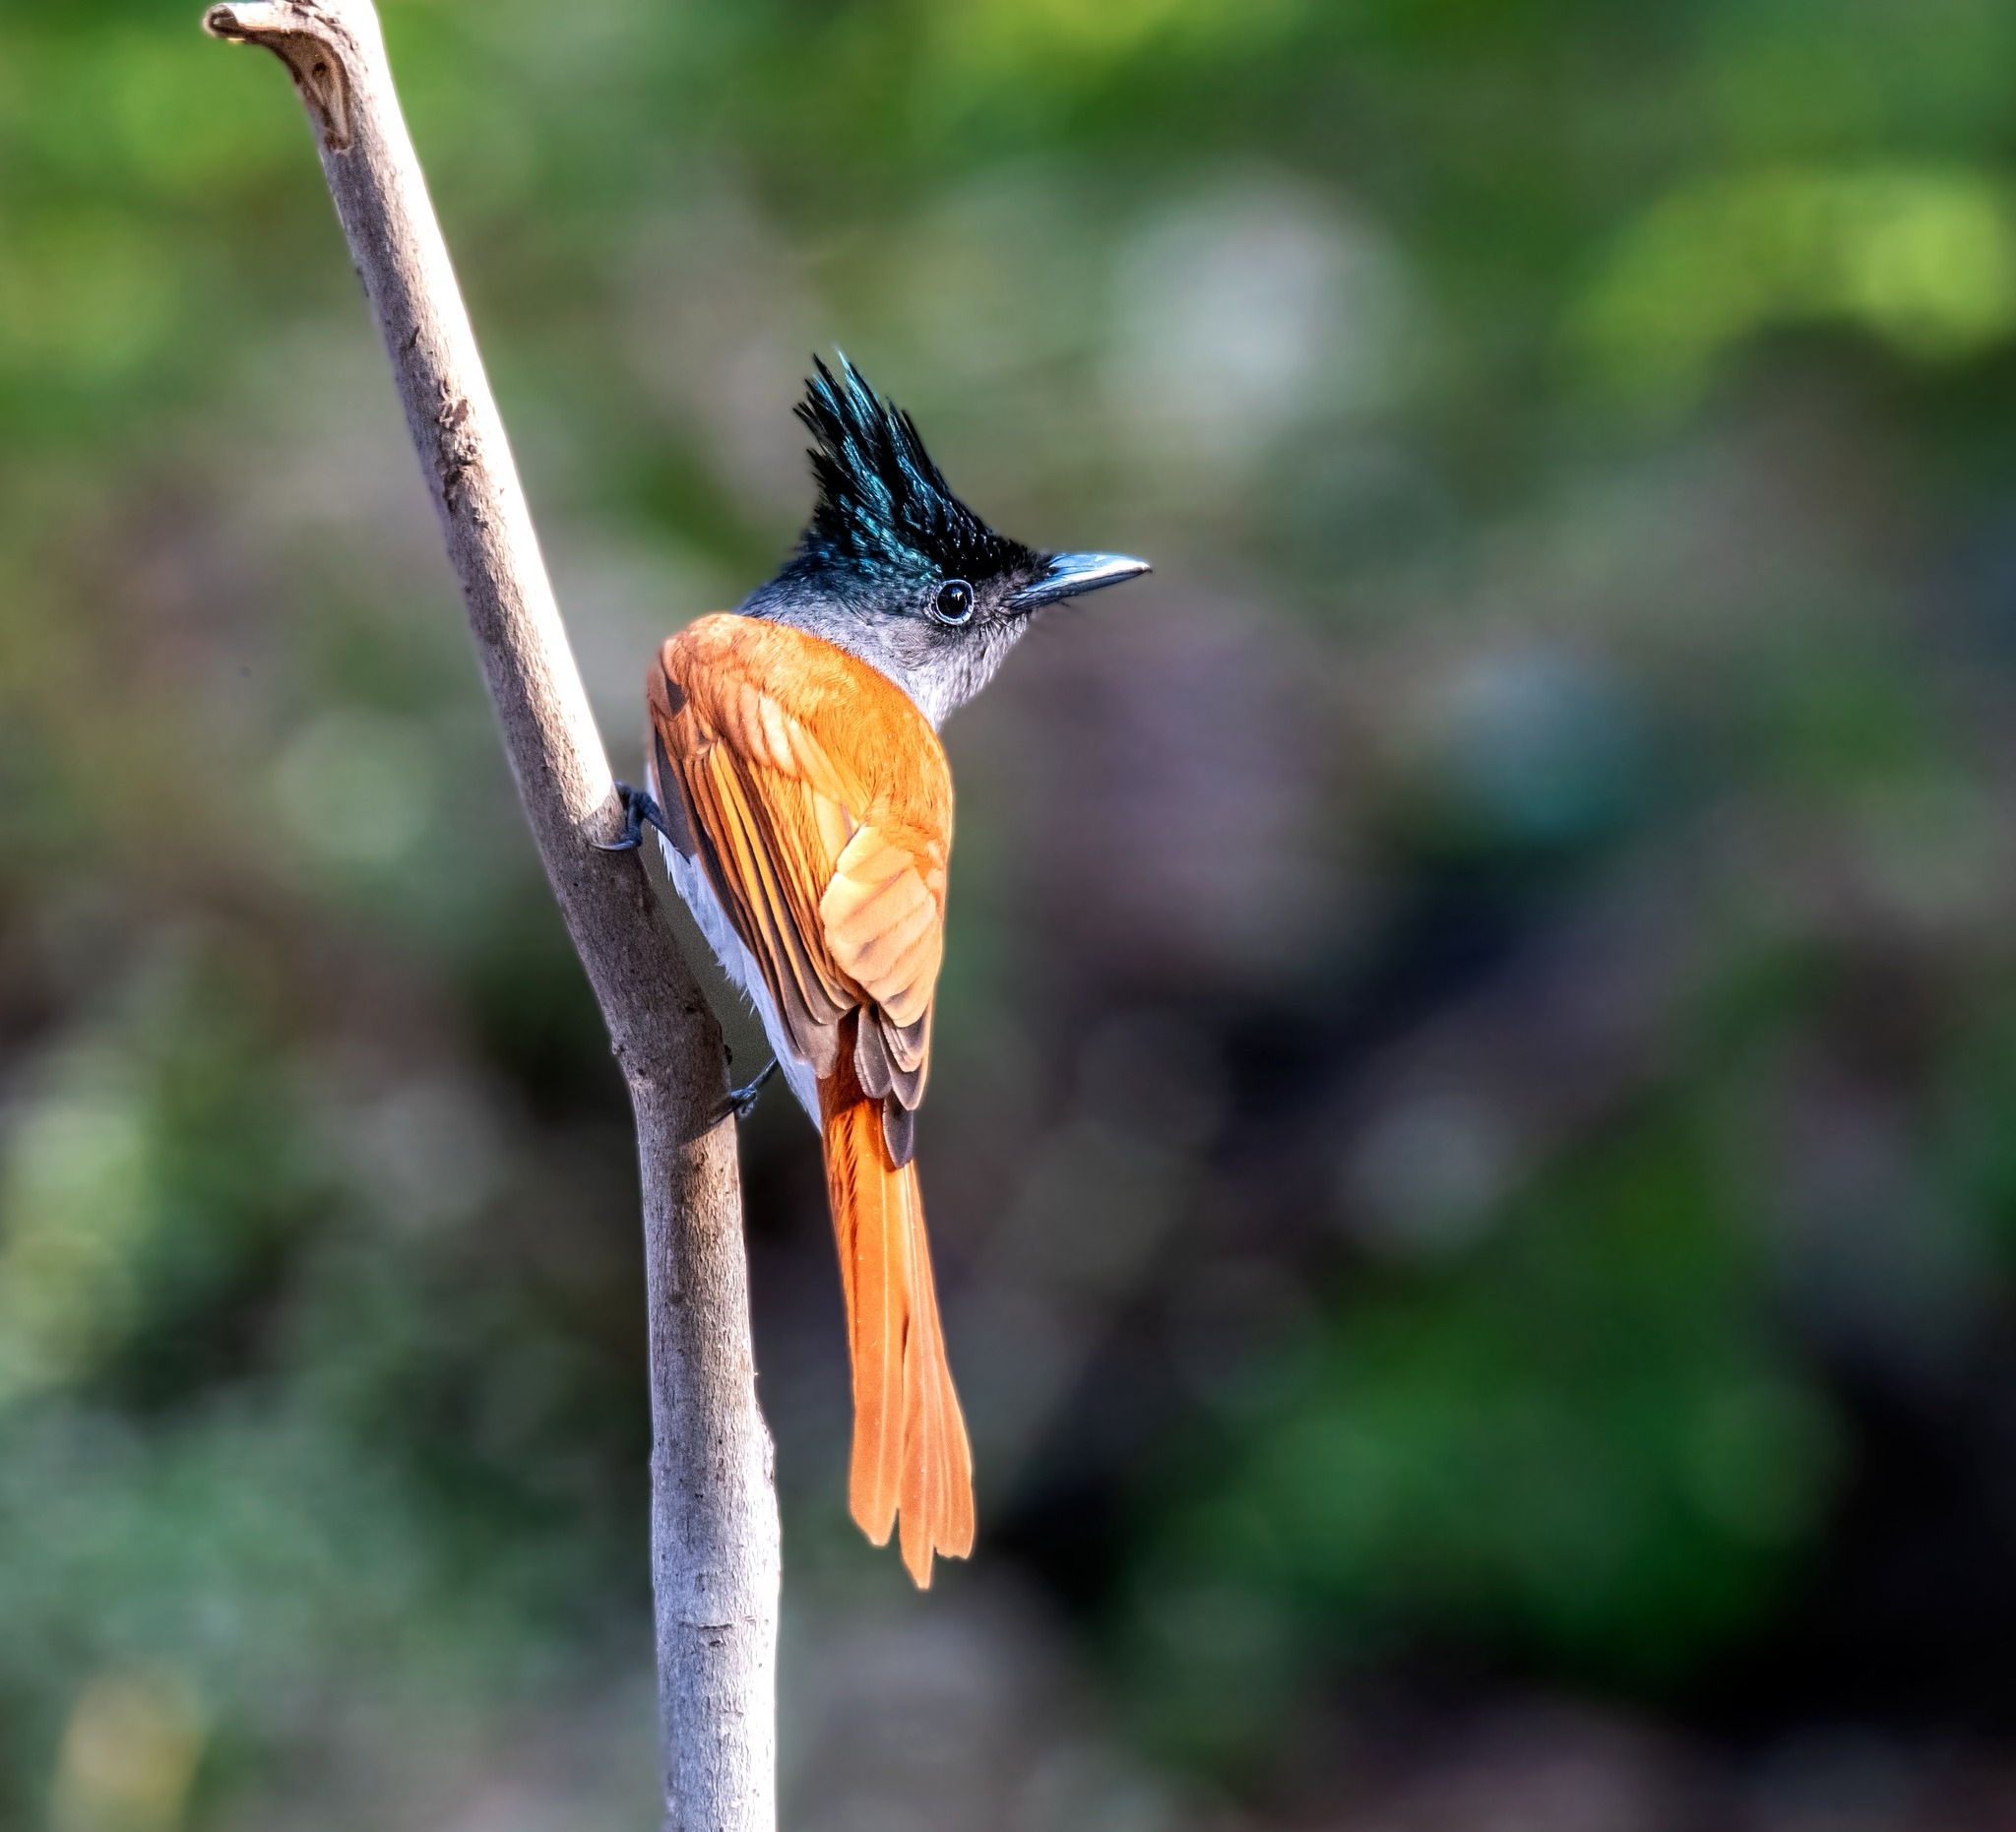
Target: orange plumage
{"x":816,"y":800}
{"x":909,"y":1450}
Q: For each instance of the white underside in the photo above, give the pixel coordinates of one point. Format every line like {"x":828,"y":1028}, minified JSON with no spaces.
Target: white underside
{"x":689,"y":879}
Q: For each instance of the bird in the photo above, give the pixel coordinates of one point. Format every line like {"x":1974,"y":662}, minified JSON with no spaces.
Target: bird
{"x":803,"y":803}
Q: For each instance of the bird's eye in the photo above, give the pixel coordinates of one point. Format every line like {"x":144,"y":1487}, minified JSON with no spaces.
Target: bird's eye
{"x":954,"y":603}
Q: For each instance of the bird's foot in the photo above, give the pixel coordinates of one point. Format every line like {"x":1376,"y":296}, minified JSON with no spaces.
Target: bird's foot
{"x":639,"y":812}
{"x":742,"y":1102}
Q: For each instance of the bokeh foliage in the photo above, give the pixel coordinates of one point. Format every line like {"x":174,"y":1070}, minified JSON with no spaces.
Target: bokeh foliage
{"x":1471,"y":1128}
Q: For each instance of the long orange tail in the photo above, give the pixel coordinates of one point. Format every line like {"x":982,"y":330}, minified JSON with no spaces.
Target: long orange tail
{"x":911,"y":1455}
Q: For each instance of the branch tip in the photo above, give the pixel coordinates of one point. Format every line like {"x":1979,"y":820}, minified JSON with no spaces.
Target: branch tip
{"x":311,"y":45}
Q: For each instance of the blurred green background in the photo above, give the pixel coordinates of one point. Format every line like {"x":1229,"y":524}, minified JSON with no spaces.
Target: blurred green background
{"x":1471,"y":1156}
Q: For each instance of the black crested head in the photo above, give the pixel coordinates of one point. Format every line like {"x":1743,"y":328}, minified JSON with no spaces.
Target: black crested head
{"x":885,"y":512}
{"x":900,"y":573}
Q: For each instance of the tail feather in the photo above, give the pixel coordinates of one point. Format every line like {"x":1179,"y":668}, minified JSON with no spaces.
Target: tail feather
{"x":910,"y":1456}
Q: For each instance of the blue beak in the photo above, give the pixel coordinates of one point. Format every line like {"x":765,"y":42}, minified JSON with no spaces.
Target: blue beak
{"x":1072,"y":575}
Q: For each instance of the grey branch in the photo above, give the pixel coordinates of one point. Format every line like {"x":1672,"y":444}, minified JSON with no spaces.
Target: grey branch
{"x":714,"y":1539}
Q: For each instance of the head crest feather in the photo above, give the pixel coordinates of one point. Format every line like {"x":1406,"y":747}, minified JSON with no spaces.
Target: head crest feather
{"x":884,"y":506}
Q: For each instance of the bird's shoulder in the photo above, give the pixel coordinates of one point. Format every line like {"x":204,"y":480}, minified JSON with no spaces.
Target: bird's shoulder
{"x":803,"y":705}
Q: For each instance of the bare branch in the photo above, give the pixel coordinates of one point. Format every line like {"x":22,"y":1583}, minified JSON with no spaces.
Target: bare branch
{"x":714,"y":1510}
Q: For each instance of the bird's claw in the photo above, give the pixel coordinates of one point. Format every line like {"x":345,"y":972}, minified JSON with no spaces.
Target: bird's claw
{"x":638,"y":809}
{"x":742,"y":1102}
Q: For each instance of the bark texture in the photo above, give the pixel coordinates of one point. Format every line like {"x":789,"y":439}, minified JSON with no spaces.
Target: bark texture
{"x":714,"y":1539}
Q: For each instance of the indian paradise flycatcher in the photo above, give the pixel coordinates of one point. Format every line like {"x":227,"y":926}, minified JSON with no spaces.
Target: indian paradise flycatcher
{"x":804,"y":806}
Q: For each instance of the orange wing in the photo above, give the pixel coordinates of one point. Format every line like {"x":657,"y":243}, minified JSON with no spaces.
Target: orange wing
{"x":819,"y":800}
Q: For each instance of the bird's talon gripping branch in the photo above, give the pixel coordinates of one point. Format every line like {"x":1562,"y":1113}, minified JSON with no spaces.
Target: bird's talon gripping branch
{"x":742,"y":1102}
{"x":639,"y":812}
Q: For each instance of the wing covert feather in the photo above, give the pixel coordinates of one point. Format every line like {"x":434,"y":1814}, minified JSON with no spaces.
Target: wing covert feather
{"x":825,"y":807}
